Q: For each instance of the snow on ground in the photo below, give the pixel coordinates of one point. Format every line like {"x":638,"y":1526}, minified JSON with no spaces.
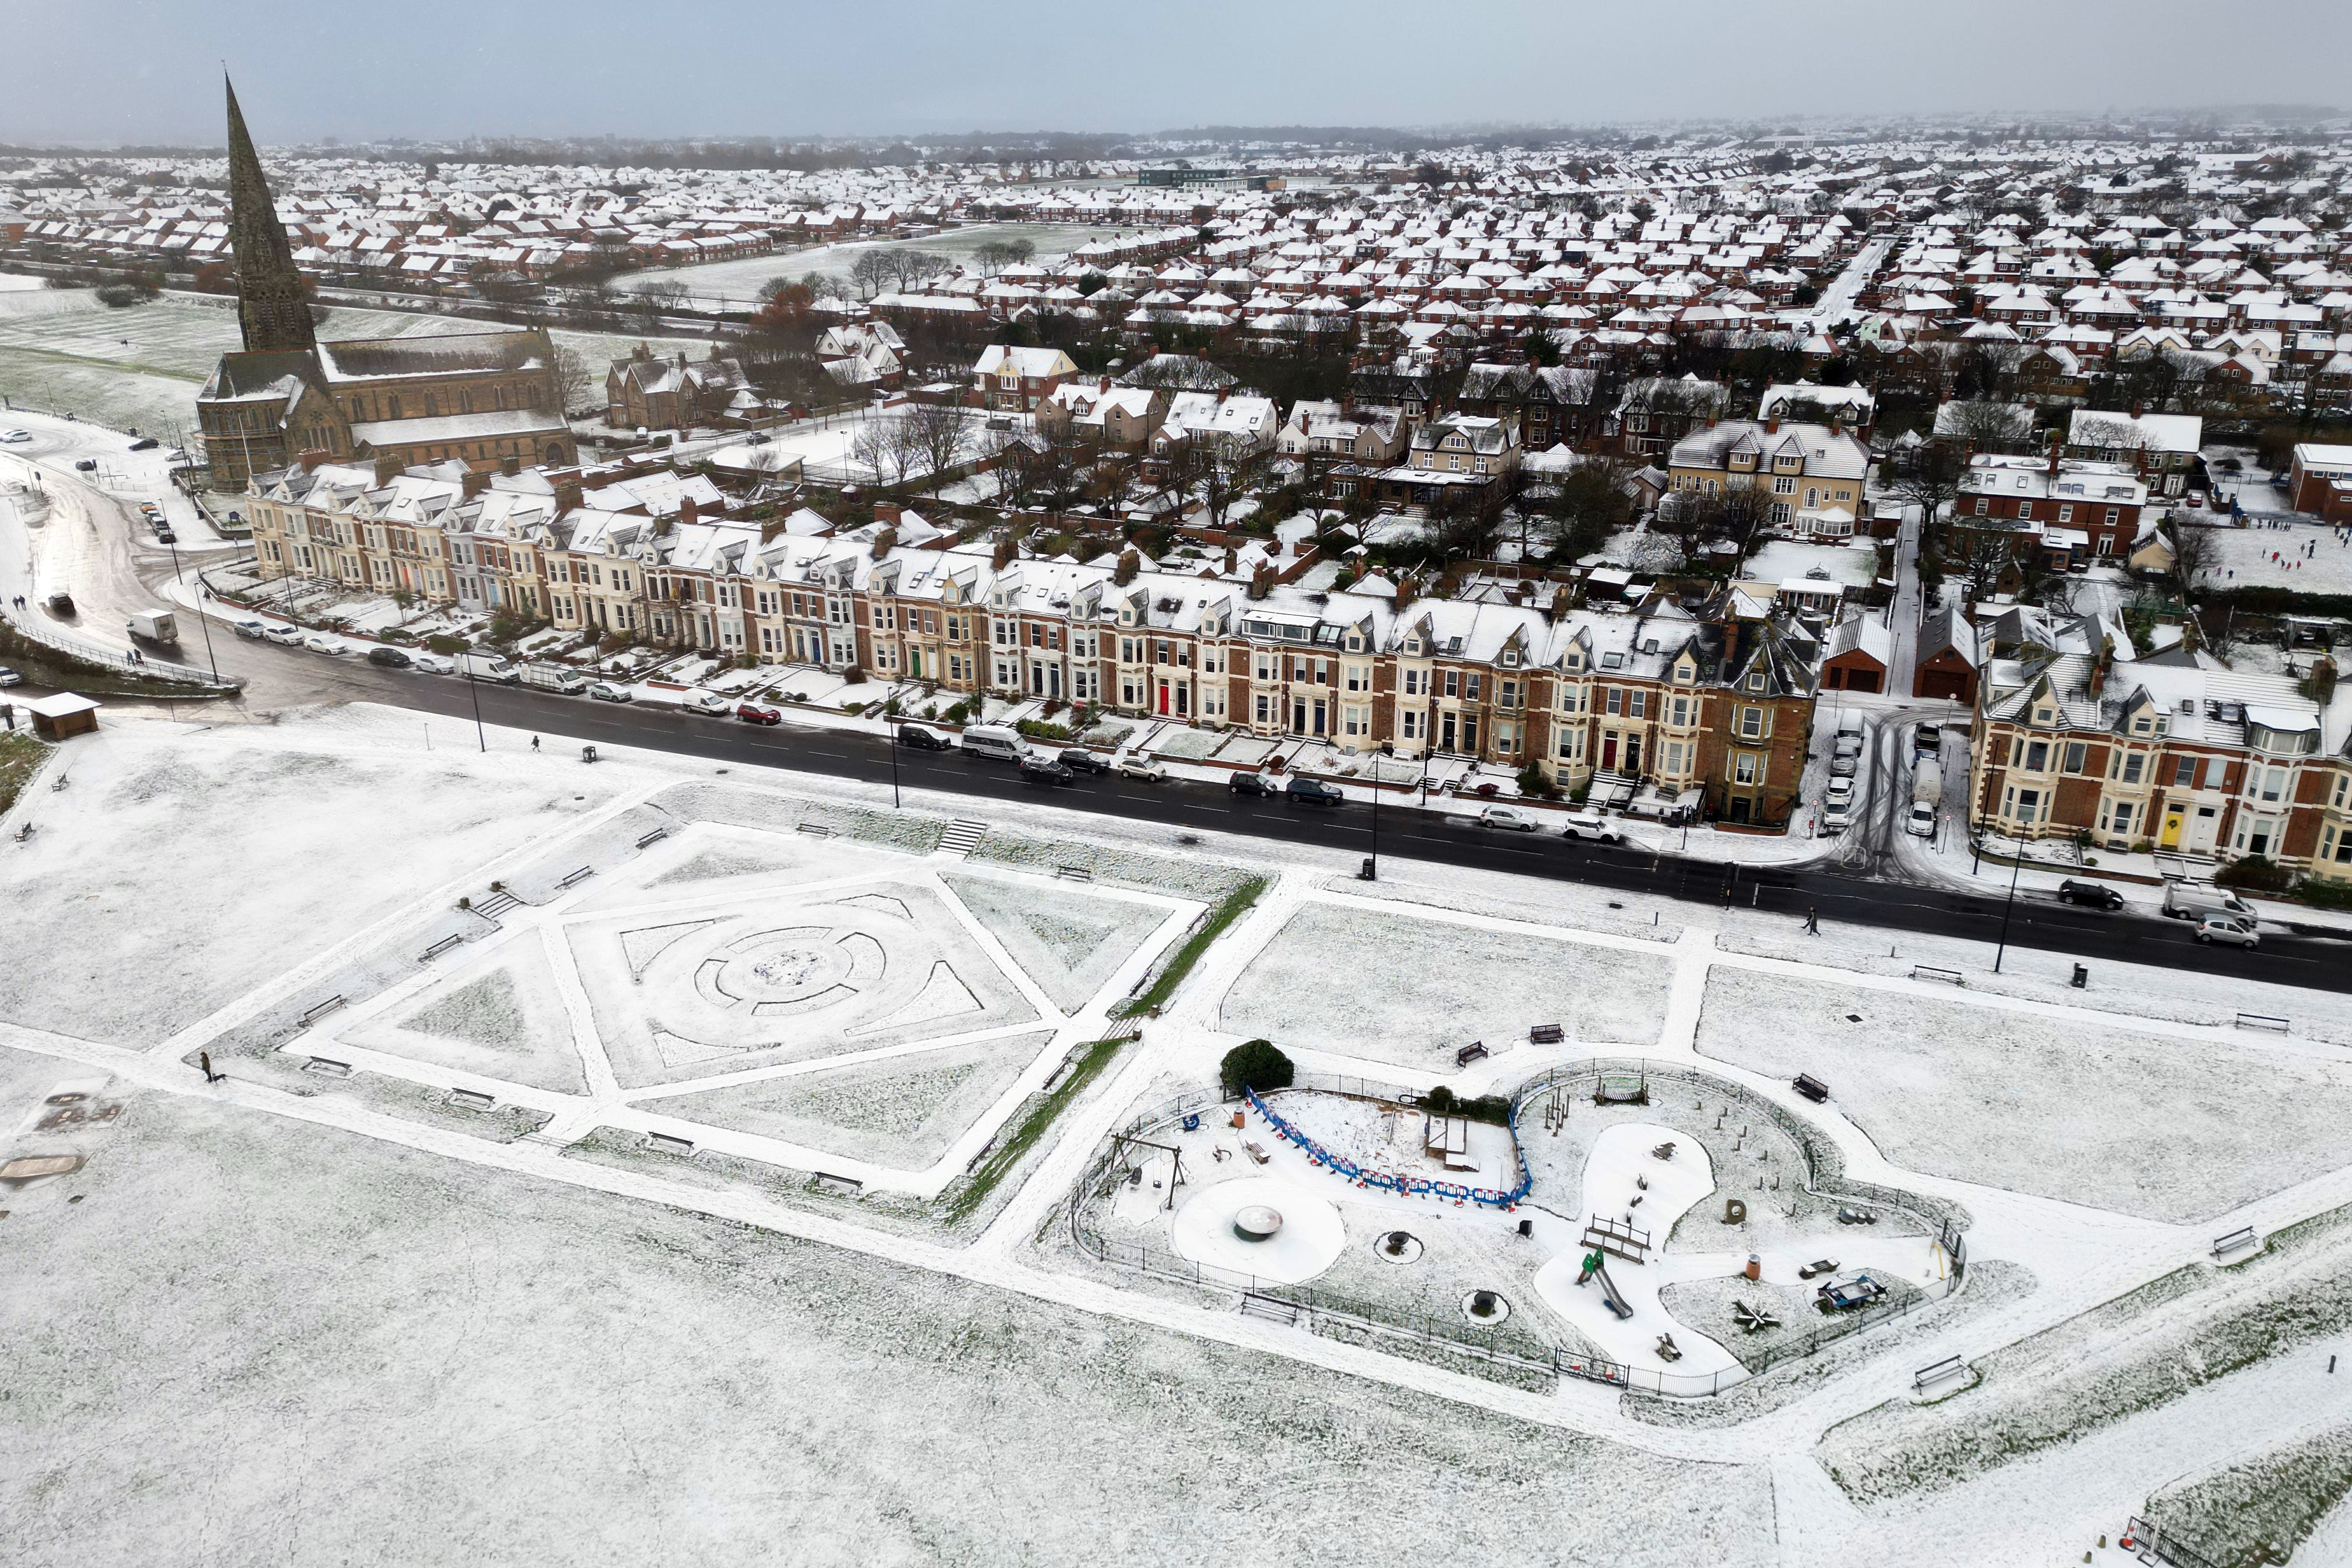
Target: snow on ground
{"x":181,"y":867}
{"x":2078,"y":1111}
{"x":2242,"y":556}
{"x":739,"y":282}
{"x":486,"y":1364}
{"x":1069,"y":941}
{"x":1307,"y":1242}
{"x":1330,"y":981}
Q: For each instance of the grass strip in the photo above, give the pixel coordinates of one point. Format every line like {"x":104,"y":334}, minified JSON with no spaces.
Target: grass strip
{"x":963,"y":1198}
{"x":1234,"y":905}
{"x":21,"y":757}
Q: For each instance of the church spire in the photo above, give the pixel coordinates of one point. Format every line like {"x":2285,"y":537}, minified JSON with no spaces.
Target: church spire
{"x":270,"y":305}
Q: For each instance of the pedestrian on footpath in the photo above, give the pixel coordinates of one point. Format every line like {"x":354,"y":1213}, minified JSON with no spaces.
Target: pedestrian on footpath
{"x":1812,"y":922}
{"x":534,"y":742}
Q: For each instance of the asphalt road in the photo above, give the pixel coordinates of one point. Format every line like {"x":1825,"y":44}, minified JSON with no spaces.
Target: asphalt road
{"x":1835,"y":893}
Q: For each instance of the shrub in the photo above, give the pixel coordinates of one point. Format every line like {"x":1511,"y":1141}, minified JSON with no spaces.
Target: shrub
{"x":1256,"y":1064}
{"x":447,"y":645}
{"x":956,"y":713}
{"x":1493,"y":1107}
{"x":2256,"y":873}
{"x":1038,"y":729}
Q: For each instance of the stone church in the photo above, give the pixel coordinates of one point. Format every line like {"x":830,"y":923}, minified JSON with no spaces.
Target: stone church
{"x":483,"y":397}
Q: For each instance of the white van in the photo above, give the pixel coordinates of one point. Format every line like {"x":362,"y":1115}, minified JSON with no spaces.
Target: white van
{"x":994,"y":742}
{"x":2194,"y":901}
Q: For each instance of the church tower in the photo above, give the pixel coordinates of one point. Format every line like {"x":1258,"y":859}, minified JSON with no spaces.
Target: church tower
{"x":270,"y":306}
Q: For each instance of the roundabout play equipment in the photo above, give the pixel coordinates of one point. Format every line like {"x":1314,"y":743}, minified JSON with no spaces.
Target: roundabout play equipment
{"x":1257,"y":1223}
{"x":1268,"y":1228}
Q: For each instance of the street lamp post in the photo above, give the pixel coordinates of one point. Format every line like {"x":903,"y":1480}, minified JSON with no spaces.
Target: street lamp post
{"x":203,"y":624}
{"x":893,"y":721}
{"x":1372,"y":867}
{"x":474,"y":690}
{"x":2016,"y":864}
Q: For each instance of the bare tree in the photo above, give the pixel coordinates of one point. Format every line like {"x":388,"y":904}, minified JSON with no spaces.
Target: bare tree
{"x":874,"y":448}
{"x":574,"y":383}
{"x":2196,"y":552}
{"x":937,"y":432}
{"x":870,"y":271}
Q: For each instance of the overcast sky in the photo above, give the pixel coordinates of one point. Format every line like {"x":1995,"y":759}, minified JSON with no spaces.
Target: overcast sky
{"x":114,"y":71}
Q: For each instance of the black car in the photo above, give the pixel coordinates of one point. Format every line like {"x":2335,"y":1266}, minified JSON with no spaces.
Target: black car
{"x":1079,"y":760}
{"x":924,"y":740}
{"x":87,"y":465}
{"x":2093,"y":895}
{"x":1312,"y":792}
{"x":1256,"y":784}
{"x":1929,"y":739}
{"x":145,"y":444}
{"x":165,"y":536}
{"x":390,"y":658}
{"x":1047,"y":771}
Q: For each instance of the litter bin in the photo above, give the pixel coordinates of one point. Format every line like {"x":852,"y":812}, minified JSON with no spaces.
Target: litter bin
{"x":1366,"y":874}
{"x":2081,"y":980}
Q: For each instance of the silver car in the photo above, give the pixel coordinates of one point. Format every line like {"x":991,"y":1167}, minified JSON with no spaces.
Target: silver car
{"x":2237,"y":931}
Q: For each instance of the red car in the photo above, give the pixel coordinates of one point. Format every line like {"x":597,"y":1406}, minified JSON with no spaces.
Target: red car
{"x":753,"y":713}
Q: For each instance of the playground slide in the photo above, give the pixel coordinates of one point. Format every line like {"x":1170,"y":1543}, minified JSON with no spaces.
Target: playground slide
{"x":1594,"y":1268}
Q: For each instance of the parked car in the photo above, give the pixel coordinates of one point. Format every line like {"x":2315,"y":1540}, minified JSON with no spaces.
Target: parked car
{"x":165,"y":536}
{"x":1516,"y":818}
{"x":1840,"y":790}
{"x":611,"y":691}
{"x":1844,"y":767}
{"x":1142,"y":769}
{"x":758,"y":713}
{"x":432,"y":663}
{"x":145,"y":444}
{"x":320,"y":642}
{"x":11,"y":437}
{"x":1930,"y":740}
{"x":390,"y":658}
{"x":2194,"y":901}
{"x":1847,"y":747}
{"x":251,"y":630}
{"x":87,"y":465}
{"x":1256,"y":784}
{"x":1921,"y":822}
{"x":1836,"y":817}
{"x":1079,"y":760}
{"x":9,"y":677}
{"x":923,"y":739}
{"x":1038,"y":768}
{"x":2237,"y":931}
{"x":1849,"y":724}
{"x":284,"y":637}
{"x":1592,"y":826}
{"x":710,"y":704}
{"x":2091,"y":895}
{"x":1312,"y":792}
{"x":60,"y":603}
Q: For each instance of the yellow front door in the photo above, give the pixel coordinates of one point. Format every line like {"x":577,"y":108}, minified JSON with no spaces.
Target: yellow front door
{"x":2172,"y":839}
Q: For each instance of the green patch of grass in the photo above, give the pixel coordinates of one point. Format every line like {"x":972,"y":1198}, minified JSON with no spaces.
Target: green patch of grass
{"x":966,"y":1193}
{"x":21,"y":757}
{"x":1234,"y":905}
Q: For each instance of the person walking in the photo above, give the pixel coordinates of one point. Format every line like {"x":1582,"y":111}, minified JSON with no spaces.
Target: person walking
{"x":534,"y":742}
{"x":1812,"y":922}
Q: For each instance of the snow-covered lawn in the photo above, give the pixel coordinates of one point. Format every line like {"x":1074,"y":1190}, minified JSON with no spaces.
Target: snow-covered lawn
{"x":2242,"y":557}
{"x":2083,"y":1111}
{"x":1331,"y":980}
{"x":179,"y":869}
{"x":1068,"y":941}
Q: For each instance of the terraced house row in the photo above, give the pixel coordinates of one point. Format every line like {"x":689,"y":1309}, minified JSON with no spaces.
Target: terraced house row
{"x":1668,"y":707}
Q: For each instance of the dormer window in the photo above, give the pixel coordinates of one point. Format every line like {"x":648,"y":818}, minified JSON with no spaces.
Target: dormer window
{"x":1755,"y":681}
{"x":1684,"y":672}
{"x":2041,"y":715}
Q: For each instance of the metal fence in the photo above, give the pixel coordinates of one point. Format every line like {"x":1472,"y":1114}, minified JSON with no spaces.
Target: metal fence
{"x":2144,"y":1536}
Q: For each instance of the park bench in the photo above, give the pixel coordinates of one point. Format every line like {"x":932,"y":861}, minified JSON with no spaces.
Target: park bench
{"x":1936,"y":1371}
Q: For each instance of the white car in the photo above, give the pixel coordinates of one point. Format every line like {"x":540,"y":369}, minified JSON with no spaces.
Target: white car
{"x":1592,"y":826}
{"x":611,"y":691}
{"x":13,"y":437}
{"x":1921,"y":822}
{"x":1847,"y":747}
{"x":2238,"y":930}
{"x":284,"y":637}
{"x":1836,"y":817}
{"x":1841,"y":792}
{"x":1142,"y":768}
{"x":1844,"y":767}
{"x":709,"y":703}
{"x":432,"y":663}
{"x":1517,"y":818}
{"x":320,"y":642}
{"x":251,"y":630}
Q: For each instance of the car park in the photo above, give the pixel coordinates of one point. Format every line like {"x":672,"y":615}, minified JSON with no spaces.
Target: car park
{"x":320,"y":642}
{"x":2090,"y":895}
{"x":1257,"y":785}
{"x":1591,"y":827}
{"x":758,"y":713}
{"x":432,"y":663}
{"x":1836,"y":817}
{"x":284,"y":637}
{"x":1079,"y":760}
{"x":610,"y":692}
{"x":1142,"y":769}
{"x":1038,"y":768}
{"x":2233,"y":931}
{"x":389,"y":657}
{"x":1312,"y":792}
{"x":1921,"y":822}
{"x":922,"y":739}
{"x":1512,"y":819}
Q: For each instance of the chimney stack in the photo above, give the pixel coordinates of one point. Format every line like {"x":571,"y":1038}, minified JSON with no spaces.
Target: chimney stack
{"x":387,"y":468}
{"x":886,"y":511}
{"x":1773,"y":425}
{"x":509,"y":465}
{"x":475,"y":481}
{"x":312,"y":458}
{"x":687,"y":510}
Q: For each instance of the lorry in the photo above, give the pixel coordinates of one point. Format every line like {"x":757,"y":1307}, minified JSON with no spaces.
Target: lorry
{"x":554,"y":677}
{"x":154,"y":626}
